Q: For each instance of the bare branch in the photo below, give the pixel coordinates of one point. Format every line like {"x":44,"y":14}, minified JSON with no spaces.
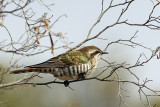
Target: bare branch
{"x":29,"y":44}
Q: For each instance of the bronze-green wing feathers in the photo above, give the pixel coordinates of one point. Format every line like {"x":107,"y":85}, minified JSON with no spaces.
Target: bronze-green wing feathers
{"x":63,"y":60}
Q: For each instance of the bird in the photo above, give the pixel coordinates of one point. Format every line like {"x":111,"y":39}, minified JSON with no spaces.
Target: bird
{"x":71,"y":65}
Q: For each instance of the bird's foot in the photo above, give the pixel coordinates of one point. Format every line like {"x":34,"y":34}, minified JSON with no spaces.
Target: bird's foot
{"x":66,"y":83}
{"x":82,"y":75}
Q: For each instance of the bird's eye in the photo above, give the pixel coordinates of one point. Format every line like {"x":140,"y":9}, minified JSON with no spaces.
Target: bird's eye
{"x":97,"y":52}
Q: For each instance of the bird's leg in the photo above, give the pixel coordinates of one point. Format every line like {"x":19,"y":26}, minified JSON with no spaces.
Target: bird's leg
{"x":66,"y":83}
{"x":82,"y":75}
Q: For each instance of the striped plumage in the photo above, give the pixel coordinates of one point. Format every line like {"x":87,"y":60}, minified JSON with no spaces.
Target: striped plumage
{"x":69,"y":65}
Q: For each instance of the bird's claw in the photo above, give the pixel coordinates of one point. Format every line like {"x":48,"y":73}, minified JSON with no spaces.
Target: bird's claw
{"x":66,"y":83}
{"x":82,"y":75}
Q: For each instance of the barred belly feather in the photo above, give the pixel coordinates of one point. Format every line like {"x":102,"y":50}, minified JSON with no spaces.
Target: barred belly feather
{"x":72,"y":72}
{"x":65,"y":73}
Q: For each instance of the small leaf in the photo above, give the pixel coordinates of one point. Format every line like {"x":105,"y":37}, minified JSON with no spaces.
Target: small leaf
{"x":65,"y":15}
{"x":37,"y":40}
{"x":36,"y":28}
{"x":1,"y":25}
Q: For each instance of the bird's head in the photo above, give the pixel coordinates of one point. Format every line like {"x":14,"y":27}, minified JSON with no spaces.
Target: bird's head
{"x":92,"y":52}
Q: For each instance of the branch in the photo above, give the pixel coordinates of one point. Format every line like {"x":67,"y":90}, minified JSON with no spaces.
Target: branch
{"x":15,"y":10}
{"x":107,"y":27}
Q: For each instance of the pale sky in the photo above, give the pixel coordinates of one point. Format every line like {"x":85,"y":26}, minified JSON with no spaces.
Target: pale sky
{"x":81,"y":14}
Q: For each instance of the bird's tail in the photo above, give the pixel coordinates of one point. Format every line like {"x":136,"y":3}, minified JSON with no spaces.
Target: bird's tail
{"x":25,"y":70}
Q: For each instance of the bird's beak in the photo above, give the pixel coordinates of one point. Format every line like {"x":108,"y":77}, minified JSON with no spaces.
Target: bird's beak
{"x":105,"y":53}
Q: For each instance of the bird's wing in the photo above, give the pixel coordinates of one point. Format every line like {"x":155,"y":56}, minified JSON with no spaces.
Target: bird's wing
{"x":63,"y":60}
